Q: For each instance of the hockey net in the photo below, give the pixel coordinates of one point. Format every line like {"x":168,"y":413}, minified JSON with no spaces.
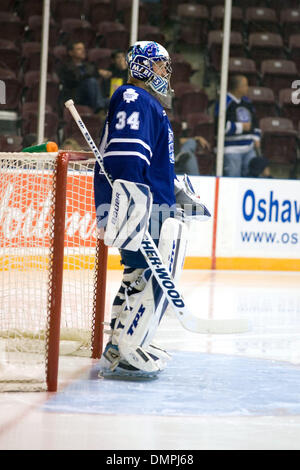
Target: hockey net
{"x":52,"y":267}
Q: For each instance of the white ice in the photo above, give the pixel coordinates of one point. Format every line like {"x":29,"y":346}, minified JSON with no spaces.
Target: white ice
{"x":271,"y":303}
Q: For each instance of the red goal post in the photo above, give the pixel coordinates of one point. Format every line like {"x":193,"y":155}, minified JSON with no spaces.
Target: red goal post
{"x":53,"y":265}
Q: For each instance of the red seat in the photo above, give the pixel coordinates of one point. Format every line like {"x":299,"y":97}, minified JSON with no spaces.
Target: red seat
{"x":10,"y":54}
{"x":93,"y":123}
{"x":191,"y":11}
{"x":294,"y":49}
{"x":169,"y":9}
{"x":193,"y":22}
{"x":189,"y":99}
{"x":176,"y":125}
{"x":60,"y":53}
{"x":290,"y":22}
{"x":217,"y":18}
{"x":11,"y":27}
{"x":34,"y":31}
{"x":279,"y":140}
{"x":278,"y":74}
{"x":206,"y":160}
{"x":123,"y":12}
{"x":28,"y":8}
{"x":212,"y":3}
{"x":263,"y":46}
{"x":256,"y":3}
{"x":261,"y":19}
{"x":30,"y":123}
{"x":84,"y":111}
{"x":67,"y":9}
{"x":182,"y":69}
{"x":31,"y":57}
{"x":182,"y":87}
{"x":7,"y":5}
{"x":29,"y":120}
{"x":244,"y":66}
{"x":278,"y":5}
{"x":100,"y":56}
{"x":151,"y":33}
{"x":6,"y":73}
{"x":263,"y":100}
{"x":201,"y":124}
{"x":112,"y":35}
{"x":215,"y":44}
{"x":32,"y":107}
{"x":289,"y":106}
{"x":31,"y":88}
{"x":11,"y":143}
{"x":100,"y":10}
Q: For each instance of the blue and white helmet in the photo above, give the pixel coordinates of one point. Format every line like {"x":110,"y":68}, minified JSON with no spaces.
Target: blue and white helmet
{"x":141,"y":58}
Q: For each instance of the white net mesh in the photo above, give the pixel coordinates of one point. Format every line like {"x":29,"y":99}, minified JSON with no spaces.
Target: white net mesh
{"x":27,"y":184}
{"x":79,"y":257}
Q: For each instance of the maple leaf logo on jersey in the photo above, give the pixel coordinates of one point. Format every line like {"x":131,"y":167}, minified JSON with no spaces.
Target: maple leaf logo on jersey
{"x":130,"y":95}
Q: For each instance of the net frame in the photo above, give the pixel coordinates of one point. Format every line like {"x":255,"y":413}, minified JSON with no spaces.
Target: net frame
{"x":57,"y":231}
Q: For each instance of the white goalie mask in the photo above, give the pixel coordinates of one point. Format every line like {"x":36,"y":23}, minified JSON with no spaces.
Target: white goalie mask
{"x":150,"y":62}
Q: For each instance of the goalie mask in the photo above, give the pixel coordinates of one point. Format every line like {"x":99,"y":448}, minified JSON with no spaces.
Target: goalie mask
{"x":150,"y":62}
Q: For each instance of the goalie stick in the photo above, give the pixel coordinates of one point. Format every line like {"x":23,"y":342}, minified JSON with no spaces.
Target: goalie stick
{"x":153,"y":258}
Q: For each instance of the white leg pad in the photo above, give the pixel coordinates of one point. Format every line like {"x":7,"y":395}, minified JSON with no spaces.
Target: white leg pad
{"x":150,"y":306}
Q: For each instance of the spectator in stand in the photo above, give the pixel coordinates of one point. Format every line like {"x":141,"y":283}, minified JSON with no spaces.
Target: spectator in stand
{"x":116,"y":75}
{"x":80,"y":79}
{"x":70,"y":144}
{"x":186,"y":160}
{"x":242,"y":134}
{"x":29,"y":140}
{"x":259,"y":168}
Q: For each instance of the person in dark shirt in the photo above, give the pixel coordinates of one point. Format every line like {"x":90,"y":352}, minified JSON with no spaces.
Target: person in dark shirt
{"x":242,"y":133}
{"x":116,"y":75}
{"x":80,"y":79}
{"x":259,"y":167}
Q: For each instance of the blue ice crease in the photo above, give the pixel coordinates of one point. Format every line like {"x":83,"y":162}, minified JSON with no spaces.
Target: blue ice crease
{"x":193,"y":384}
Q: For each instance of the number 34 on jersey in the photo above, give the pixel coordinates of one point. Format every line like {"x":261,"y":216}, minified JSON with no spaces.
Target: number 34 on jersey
{"x":133,"y":120}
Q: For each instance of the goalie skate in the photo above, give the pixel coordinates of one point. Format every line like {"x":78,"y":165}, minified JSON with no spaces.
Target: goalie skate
{"x":112,"y":365}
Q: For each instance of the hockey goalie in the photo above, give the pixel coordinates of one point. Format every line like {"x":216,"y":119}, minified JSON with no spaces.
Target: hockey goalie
{"x":137,"y":146}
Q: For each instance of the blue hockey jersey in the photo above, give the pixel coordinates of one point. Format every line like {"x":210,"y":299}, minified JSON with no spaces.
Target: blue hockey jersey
{"x":137,"y":144}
